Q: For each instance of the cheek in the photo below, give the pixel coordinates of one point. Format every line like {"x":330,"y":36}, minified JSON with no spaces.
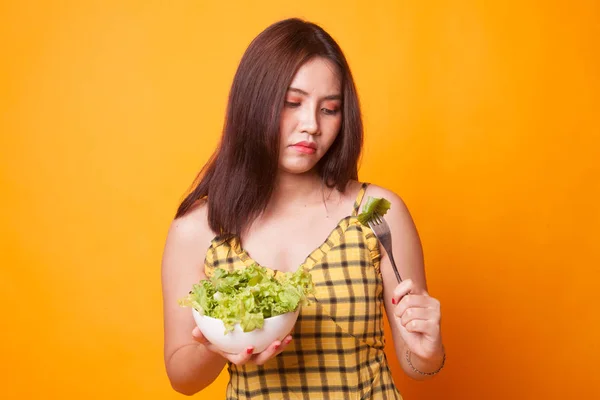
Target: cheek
{"x":331,"y":128}
{"x":286,"y":123}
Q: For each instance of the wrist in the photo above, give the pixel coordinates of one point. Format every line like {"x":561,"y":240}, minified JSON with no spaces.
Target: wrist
{"x":426,"y":366}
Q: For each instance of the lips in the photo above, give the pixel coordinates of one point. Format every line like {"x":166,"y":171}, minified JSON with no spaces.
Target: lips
{"x":310,"y":145}
{"x":305,"y":147}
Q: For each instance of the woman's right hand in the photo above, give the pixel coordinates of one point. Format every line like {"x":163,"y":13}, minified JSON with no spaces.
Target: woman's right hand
{"x":246,"y":356}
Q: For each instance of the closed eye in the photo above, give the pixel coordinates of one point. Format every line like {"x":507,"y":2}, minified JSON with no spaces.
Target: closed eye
{"x":328,"y":111}
{"x":292,"y":104}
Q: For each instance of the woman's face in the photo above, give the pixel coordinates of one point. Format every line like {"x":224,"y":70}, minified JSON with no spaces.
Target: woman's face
{"x":311,"y":117}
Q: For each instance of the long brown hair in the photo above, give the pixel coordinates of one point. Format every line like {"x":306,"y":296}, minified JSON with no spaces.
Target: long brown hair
{"x":238,"y":180}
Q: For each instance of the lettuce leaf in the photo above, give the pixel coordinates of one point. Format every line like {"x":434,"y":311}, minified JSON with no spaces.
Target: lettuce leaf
{"x":247,"y":296}
{"x":373,"y":207}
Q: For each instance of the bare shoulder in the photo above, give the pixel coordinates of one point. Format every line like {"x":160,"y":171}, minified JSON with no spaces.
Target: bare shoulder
{"x":188,"y":238}
{"x":193,"y":225}
{"x":398,"y":209}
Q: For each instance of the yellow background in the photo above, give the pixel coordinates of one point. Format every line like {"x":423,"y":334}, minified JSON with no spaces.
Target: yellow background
{"x":482,"y":115}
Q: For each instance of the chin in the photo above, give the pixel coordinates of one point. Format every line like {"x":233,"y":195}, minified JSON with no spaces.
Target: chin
{"x":300,"y":168}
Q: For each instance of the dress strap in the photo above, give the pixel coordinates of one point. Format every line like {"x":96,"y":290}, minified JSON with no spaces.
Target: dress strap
{"x":359,"y":198}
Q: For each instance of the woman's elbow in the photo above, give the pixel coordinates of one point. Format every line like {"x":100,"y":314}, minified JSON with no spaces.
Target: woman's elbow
{"x":184,"y":387}
{"x":180,"y":381}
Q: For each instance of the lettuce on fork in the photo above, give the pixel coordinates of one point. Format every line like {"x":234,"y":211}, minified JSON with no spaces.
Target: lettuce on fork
{"x":373,"y":208}
{"x":247,"y":296}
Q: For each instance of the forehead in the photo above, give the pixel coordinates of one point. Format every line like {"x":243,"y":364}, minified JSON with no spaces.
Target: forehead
{"x":318,"y":76}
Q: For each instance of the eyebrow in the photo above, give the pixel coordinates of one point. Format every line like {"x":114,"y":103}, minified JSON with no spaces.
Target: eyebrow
{"x":302,"y":92}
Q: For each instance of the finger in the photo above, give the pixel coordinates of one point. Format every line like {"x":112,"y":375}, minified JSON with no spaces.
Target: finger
{"x":418,"y":313}
{"x":428,"y":327}
{"x":402,"y":289}
{"x":285,"y":343}
{"x":268,"y":353}
{"x":241,"y":358}
{"x":198,"y":336}
{"x":271,"y":351}
{"x":415,"y":300}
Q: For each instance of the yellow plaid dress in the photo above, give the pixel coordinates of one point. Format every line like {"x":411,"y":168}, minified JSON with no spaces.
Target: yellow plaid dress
{"x":337,"y":351}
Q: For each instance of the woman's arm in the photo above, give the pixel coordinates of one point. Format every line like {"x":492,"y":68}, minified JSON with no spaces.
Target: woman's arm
{"x":414,"y":316}
{"x":190,"y":365}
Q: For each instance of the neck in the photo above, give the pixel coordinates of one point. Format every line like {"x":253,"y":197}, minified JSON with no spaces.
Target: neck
{"x":298,"y":190}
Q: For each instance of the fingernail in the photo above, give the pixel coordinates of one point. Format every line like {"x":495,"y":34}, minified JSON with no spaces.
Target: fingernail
{"x":393,"y":300}
{"x":277,"y":346}
{"x":249,"y":350}
{"x":287,"y":341}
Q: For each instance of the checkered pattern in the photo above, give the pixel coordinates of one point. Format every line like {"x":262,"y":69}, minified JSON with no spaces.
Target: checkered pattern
{"x":337,"y":351}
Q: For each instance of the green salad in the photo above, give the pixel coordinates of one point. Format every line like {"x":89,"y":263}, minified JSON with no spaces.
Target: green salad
{"x":374,"y":207}
{"x":247,"y":296}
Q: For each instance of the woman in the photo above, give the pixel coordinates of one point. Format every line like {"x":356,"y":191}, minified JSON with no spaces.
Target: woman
{"x":282,"y":191}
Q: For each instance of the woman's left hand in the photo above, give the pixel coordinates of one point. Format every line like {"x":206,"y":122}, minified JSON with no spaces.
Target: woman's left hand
{"x":418,"y":317}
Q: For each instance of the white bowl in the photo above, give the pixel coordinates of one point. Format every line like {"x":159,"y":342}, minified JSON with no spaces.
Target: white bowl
{"x":236,"y":341}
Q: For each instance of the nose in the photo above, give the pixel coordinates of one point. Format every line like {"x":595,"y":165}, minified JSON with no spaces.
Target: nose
{"x":310,"y":123}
